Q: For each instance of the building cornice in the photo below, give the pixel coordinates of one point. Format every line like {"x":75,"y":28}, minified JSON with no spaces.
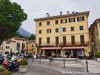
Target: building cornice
{"x":61,"y":16}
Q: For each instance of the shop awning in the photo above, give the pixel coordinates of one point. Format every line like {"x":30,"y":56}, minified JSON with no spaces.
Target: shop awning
{"x":52,"y":48}
{"x":73,"y":47}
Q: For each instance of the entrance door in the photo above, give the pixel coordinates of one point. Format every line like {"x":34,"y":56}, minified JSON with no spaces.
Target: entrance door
{"x":48,"y":52}
{"x":75,"y":53}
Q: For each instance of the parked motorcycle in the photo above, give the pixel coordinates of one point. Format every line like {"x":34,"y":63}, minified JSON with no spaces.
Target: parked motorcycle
{"x":13,"y":65}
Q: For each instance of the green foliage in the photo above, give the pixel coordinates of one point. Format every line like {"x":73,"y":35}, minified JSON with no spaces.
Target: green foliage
{"x":3,"y":72}
{"x":9,"y":73}
{"x":23,"y":62}
{"x":1,"y":69}
{"x":97,"y":54}
{"x":11,"y":17}
{"x":32,"y":37}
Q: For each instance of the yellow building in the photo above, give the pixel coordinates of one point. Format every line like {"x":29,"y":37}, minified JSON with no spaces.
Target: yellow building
{"x":64,"y":34}
{"x":95,"y":35}
{"x":30,"y":46}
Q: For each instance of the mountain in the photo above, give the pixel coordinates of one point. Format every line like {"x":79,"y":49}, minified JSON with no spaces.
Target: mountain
{"x":23,"y":32}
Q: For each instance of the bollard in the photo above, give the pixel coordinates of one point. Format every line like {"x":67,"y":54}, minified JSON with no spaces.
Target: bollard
{"x":64,"y":63}
{"x":49,"y":62}
{"x":87,"y":66}
{"x":40,"y":60}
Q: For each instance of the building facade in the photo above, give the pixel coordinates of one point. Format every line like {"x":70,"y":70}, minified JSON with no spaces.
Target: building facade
{"x":20,"y":44}
{"x":63,"y":35}
{"x":30,"y":46}
{"x":8,"y":45}
{"x":95,"y":35}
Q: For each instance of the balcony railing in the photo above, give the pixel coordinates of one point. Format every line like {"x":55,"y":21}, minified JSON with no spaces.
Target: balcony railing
{"x":67,"y":44}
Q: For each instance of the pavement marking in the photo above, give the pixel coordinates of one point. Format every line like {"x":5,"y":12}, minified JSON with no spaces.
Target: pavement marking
{"x":80,"y":72}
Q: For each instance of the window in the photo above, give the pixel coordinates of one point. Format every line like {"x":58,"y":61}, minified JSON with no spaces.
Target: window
{"x":23,"y":45}
{"x":56,"y":21}
{"x":72,"y":28}
{"x":48,"y":30}
{"x":80,"y":18}
{"x":7,"y":47}
{"x":81,"y":27}
{"x":48,"y":22}
{"x":57,"y":30}
{"x":71,"y":19}
{"x":64,"y":29}
{"x":40,"y":23}
{"x":82,"y":39}
{"x":48,"y":40}
{"x":64,"y":40}
{"x":40,"y":31}
{"x":73,"y":40}
{"x":57,"y":41}
{"x":18,"y":46}
{"x":40,"y":41}
{"x":63,"y":20}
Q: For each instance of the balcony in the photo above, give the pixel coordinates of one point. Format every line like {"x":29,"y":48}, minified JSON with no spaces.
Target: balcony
{"x":68,"y":44}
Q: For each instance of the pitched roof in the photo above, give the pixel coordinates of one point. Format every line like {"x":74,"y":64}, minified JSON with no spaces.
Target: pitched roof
{"x":93,"y":24}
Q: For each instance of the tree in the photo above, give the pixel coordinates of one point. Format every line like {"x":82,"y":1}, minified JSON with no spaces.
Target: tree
{"x":11,"y":18}
{"x":32,"y":37}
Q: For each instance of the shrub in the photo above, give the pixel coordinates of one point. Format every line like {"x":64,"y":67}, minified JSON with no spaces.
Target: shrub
{"x":97,"y":54}
{"x":1,"y":69}
{"x":3,"y":72}
{"x":23,"y":62}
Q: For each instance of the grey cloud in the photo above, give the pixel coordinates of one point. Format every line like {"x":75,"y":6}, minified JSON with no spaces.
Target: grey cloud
{"x":38,"y":8}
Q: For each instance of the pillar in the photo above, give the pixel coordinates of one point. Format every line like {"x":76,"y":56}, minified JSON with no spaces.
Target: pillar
{"x":72,"y":53}
{"x":43,"y":52}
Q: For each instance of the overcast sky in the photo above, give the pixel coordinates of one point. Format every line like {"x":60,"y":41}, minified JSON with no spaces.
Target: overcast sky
{"x":39,"y":8}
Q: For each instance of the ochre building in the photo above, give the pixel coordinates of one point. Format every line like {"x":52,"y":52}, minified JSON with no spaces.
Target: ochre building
{"x":95,"y":35}
{"x":63,"y":35}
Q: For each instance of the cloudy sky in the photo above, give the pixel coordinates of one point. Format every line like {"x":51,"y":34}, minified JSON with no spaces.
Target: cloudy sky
{"x":39,"y":8}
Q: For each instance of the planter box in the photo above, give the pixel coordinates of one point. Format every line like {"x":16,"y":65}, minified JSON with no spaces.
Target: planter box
{"x":98,"y":59}
{"x":23,"y":69}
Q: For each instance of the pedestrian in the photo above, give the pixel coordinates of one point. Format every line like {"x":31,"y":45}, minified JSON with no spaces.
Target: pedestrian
{"x":33,"y":57}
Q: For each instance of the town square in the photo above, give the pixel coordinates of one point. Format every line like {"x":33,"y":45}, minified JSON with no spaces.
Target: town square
{"x":49,"y":37}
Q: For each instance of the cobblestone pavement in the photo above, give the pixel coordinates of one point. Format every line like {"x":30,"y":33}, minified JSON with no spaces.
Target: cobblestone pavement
{"x":37,"y":70}
{"x":54,"y":68}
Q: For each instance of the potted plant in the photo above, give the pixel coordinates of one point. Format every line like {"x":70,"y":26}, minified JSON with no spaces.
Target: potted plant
{"x":97,"y":55}
{"x":23,"y":65}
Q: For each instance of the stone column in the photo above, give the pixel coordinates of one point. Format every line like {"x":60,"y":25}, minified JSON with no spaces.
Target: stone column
{"x":62,"y":52}
{"x":72,"y":53}
{"x":43,"y":52}
{"x":82,"y":53}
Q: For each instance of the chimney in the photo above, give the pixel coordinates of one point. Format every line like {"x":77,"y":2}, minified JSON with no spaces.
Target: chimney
{"x":76,"y":12}
{"x":60,"y":12}
{"x":67,"y":12}
{"x":47,"y":15}
{"x":73,"y":12}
